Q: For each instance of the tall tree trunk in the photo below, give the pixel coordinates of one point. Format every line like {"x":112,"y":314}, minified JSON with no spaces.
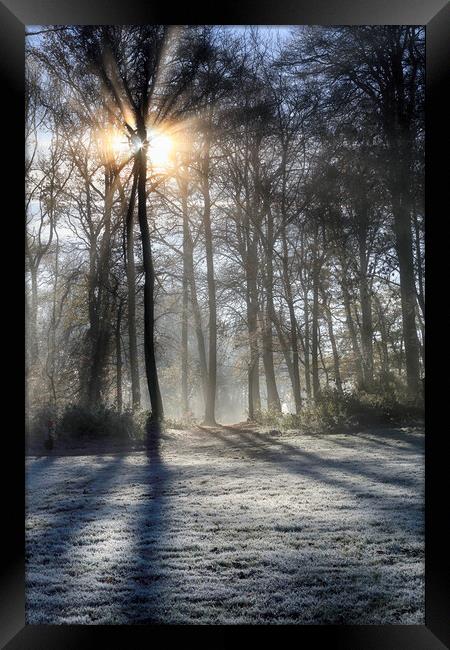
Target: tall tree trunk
{"x":336,"y":363}
{"x":351,"y":327}
{"x":92,"y":332}
{"x":185,"y":304}
{"x":119,"y":399}
{"x":51,"y":354}
{"x":306,"y":339}
{"x":404,"y":248}
{"x":188,"y":255}
{"x":399,"y":127}
{"x":315,"y":327}
{"x":210,"y":418}
{"x":273,"y":398}
{"x":34,"y":344}
{"x":384,"y":338}
{"x":101,"y":332}
{"x":419,"y":263}
{"x":296,"y":389}
{"x":151,"y":371}
{"x":254,"y":397}
{"x":324,"y":366}
{"x":131,"y":296}
{"x":286,"y":349}
{"x":365,"y":300}
{"x":408,"y":299}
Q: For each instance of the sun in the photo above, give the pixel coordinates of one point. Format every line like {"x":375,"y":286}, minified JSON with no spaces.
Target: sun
{"x":160,"y":148}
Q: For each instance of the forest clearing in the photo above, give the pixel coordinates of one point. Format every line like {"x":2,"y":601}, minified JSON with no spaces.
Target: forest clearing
{"x":225,"y":224}
{"x":231,"y":525}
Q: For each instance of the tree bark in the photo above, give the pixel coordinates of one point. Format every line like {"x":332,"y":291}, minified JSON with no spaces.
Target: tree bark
{"x":384,"y":338}
{"x":295,"y":377}
{"x":34,"y":344}
{"x":315,"y":329}
{"x":419,"y":263}
{"x":273,"y":398}
{"x":101,"y":332}
{"x":351,"y":327}
{"x":157,"y":412}
{"x":185,"y":304}
{"x":188,"y":255}
{"x":398,"y":125}
{"x":210,"y":418}
{"x":119,"y":398}
{"x":306,"y":339}
{"x":131,"y":295}
{"x":336,"y":363}
{"x":254,"y":398}
{"x":403,"y":239}
{"x":365,"y":300}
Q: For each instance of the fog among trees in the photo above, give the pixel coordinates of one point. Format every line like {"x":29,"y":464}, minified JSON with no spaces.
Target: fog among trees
{"x":223,"y":222}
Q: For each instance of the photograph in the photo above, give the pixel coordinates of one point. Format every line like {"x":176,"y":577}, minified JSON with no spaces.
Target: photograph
{"x":225,"y":324}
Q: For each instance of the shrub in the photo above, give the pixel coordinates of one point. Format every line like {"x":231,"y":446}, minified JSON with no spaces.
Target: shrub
{"x":334,"y":411}
{"x":181,"y":424}
{"x":382,"y":408}
{"x":140,"y":419}
{"x":79,"y":422}
{"x":38,"y":424}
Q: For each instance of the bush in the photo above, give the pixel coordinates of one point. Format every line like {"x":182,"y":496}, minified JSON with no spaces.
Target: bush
{"x":336,"y":411}
{"x":141,"y":421}
{"x":382,"y":408}
{"x":78,"y":422}
{"x":103,"y":423}
{"x":181,"y":424}
{"x":38,"y":424}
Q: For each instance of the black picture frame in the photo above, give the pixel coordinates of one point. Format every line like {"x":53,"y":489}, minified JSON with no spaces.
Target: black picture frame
{"x":14,"y":15}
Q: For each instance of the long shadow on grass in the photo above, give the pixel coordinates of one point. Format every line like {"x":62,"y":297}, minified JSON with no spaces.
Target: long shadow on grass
{"x":50,"y":571}
{"x":397,"y":535}
{"x":329,"y":581}
{"x":410,"y":443}
{"x":142,"y":575}
{"x":312,"y":463}
{"x":37,"y":465}
{"x":101,"y":555}
{"x":315,"y":467}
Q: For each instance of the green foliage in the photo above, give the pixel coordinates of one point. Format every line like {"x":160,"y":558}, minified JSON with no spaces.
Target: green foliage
{"x":334,"y":411}
{"x":382,"y":408}
{"x":38,"y":426}
{"x":142,"y":417}
{"x":181,"y":424}
{"x":78,"y":422}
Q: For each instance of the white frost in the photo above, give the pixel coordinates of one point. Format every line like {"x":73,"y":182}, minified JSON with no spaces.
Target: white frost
{"x":230,"y":527}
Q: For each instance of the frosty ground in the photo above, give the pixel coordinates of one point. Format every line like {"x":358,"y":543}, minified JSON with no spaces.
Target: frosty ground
{"x":230,"y":525}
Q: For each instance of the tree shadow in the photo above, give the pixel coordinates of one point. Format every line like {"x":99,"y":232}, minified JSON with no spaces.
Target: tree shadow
{"x":101,"y":557}
{"x":49,"y":582}
{"x":131,"y":574}
{"x":145,"y":576}
{"x":37,"y":465}
{"x":312,"y":463}
{"x":377,"y":500}
{"x":412,"y":443}
{"x":392,"y":541}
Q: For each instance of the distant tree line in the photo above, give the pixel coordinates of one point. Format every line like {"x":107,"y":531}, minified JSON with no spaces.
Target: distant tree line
{"x":217,"y":214}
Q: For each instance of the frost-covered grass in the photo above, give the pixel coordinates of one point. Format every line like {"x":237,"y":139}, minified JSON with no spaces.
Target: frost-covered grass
{"x":230,"y":526}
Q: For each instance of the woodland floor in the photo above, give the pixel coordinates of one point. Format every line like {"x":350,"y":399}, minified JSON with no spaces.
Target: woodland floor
{"x":230,"y":525}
